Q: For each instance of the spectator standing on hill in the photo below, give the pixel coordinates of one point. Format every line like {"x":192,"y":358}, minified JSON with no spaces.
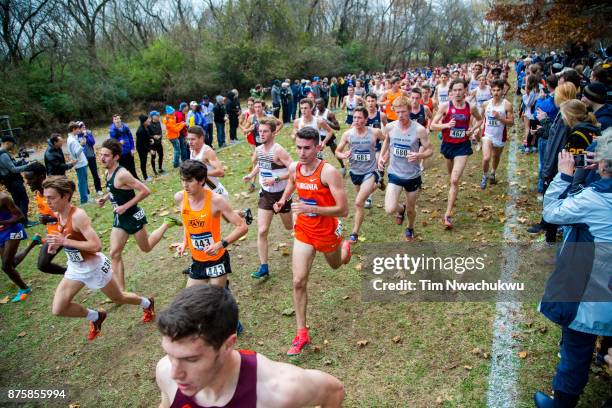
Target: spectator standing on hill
{"x":121,"y":132}
{"x":88,"y":141}
{"x":157,"y":148}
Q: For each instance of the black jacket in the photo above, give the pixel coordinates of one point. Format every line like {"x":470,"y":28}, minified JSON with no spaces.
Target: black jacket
{"x":55,"y":162}
{"x":219,"y":113}
{"x":143,"y":138}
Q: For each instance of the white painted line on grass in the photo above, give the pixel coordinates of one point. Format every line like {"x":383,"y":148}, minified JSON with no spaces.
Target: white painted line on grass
{"x":502,"y":392}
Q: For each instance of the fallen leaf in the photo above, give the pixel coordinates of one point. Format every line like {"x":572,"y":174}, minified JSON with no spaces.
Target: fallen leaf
{"x":164,"y":213}
{"x":242,"y":238}
{"x":522,"y":354}
{"x":288,"y":312}
{"x":316,"y":349}
{"x":362,"y":343}
{"x":361,"y":239}
{"x":359,"y":266}
{"x":4,"y":300}
{"x":346,"y":297}
{"x":326,"y":342}
{"x":21,"y":334}
{"x":439,"y":400}
{"x":285,"y":252}
{"x":327,"y":362}
{"x":468,"y":367}
{"x":396,"y":339}
{"x":476,"y":351}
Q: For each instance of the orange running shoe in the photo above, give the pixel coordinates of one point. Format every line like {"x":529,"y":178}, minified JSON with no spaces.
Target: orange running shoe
{"x":149,"y":313}
{"x":298,"y":343}
{"x":96,"y":327}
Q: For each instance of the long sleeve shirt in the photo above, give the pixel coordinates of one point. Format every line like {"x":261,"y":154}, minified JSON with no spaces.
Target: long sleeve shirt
{"x":123,"y":134}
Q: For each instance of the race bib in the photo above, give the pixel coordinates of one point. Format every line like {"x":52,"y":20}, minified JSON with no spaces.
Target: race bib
{"x":491,"y":121}
{"x":106,"y":266}
{"x":200,"y":242}
{"x":401,"y":150}
{"x":361,"y":155}
{"x":443,"y":98}
{"x":266,"y":174}
{"x":265,"y":164}
{"x":456,"y":133}
{"x":73,"y":255}
{"x":215,"y":271}
{"x":139,"y":215}
{"x":309,"y":201}
{"x":16,"y":235}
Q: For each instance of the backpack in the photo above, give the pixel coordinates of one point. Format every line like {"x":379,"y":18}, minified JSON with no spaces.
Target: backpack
{"x":580,"y":137}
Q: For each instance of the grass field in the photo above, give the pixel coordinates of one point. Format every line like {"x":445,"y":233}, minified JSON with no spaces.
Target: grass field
{"x":433,"y":363}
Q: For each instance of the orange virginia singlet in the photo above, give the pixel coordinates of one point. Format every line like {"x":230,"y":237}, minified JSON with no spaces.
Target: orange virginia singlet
{"x":201,"y":228}
{"x":43,"y":209}
{"x":322,"y":232}
{"x":389,"y":107}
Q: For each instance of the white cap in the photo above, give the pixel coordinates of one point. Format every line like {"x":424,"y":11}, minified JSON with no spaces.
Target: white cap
{"x":193,"y":103}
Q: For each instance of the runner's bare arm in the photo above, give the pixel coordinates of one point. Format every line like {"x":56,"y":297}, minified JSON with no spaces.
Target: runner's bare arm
{"x":178,"y":199}
{"x":332,"y":178}
{"x":255,"y":169}
{"x":284,"y":158}
{"x":330,"y":132}
{"x":384,"y":149}
{"x":285,"y":385}
{"x":6,"y":202}
{"x":296,"y":127}
{"x":509,"y":121}
{"x":211,"y":159}
{"x":340,"y":149}
{"x":289,"y":189}
{"x":333,"y":121}
{"x":80,"y":223}
{"x":383,"y":119}
{"x":436,"y":124}
{"x":279,"y":126}
{"x":220,"y":204}
{"x":162,"y":377}
{"x":426,"y":147}
{"x":126,"y":180}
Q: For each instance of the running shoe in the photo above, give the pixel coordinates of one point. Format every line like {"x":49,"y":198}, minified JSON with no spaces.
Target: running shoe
{"x":447,"y":221}
{"x":96,"y":327}
{"x":248,"y":216}
{"x":368,"y":203}
{"x":260,"y":273}
{"x":37,"y":239}
{"x":409,"y":235}
{"x":251,"y":187}
{"x":535,"y":229}
{"x":21,"y":295}
{"x":149,"y":179}
{"x":399,"y":218}
{"x":148,"y":314}
{"x":297,"y":345}
{"x":353,"y":238}
{"x":492,"y":179}
{"x":483,"y":182}
{"x":239,"y":328}
{"x":173,"y":221}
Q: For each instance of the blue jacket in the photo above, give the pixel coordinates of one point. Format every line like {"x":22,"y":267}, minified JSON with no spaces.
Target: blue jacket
{"x":604,"y":116}
{"x":123,"y":134}
{"x":587,"y":264}
{"x":547,"y":104}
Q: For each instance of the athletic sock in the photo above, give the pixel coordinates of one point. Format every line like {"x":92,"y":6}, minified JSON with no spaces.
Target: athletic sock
{"x":145,"y":303}
{"x":92,"y":315}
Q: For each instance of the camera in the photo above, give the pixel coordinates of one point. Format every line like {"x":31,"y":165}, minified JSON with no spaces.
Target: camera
{"x":24,"y":152}
{"x":580,"y":160}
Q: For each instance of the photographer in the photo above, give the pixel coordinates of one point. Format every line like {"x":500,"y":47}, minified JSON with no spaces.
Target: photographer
{"x":578,"y":297}
{"x":55,"y":162}
{"x":10,"y":174}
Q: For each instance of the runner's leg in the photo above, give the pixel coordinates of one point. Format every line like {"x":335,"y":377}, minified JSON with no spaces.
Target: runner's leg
{"x":118,"y":240}
{"x":62,"y":300}
{"x":459,"y":163}
{"x":303,"y":256}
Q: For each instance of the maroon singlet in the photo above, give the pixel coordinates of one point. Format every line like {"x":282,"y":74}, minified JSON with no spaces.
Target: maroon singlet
{"x":245,"y":395}
{"x":462,"y":123}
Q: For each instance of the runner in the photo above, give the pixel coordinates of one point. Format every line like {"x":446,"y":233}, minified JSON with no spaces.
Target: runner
{"x":87,"y":266}
{"x":254,"y":119}
{"x":244,"y":120}
{"x":498,"y":116}
{"x":475,"y":77}
{"x":350,"y":102}
{"x":362,"y":141}
{"x":201,"y":211}
{"x":125,"y":192}
{"x":271,"y":162}
{"x":453,"y":119}
{"x":400,"y":149}
{"x":11,"y":234}
{"x":389,"y":96}
{"x":419,"y":112}
{"x":481,"y":93}
{"x":200,"y":151}
{"x":441,"y":93}
{"x":322,"y":198}
{"x":321,"y":112}
{"x":307,"y":119}
{"x":35,"y":177}
{"x":426,"y":99}
{"x":202,"y":368}
{"x":377,"y":120}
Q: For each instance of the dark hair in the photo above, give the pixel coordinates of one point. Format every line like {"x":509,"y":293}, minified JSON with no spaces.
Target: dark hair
{"x":114,"y":146}
{"x":193,"y":169}
{"x":37,"y":168}
{"x":196,"y":130}
{"x":417,"y":91}
{"x":572,"y":76}
{"x":54,"y":137}
{"x":73,"y":125}
{"x":270,"y":122}
{"x":63,"y":185}
{"x":259,"y":101}
{"x":361,"y":109}
{"x":497,"y":83}
{"x":426,"y":86}
{"x":308,"y":133}
{"x":308,"y":101}
{"x":552,"y":81}
{"x":372,"y":95}
{"x":602,"y":74}
{"x":456,"y":81}
{"x":206,"y":311}
{"x":531,"y":83}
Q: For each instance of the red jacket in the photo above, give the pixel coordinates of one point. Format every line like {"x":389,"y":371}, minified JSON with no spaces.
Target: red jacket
{"x":180,"y":117}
